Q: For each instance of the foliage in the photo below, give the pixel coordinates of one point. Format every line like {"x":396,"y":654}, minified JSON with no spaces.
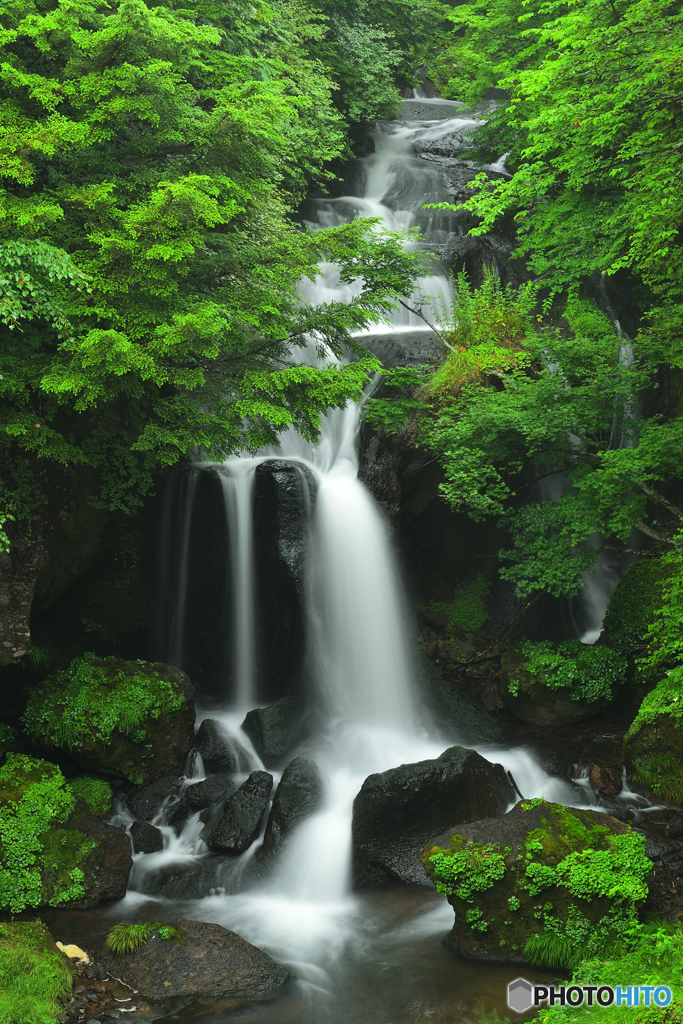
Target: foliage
{"x":465,"y":871}
{"x":151,"y":306}
{"x":590,"y":673}
{"x":635,"y":601}
{"x":594,"y":161}
{"x":649,"y":954}
{"x":7,"y":738}
{"x":93,"y":697}
{"x":35,"y":978}
{"x":96,"y":793}
{"x":467,"y":609}
{"x":33,"y":798}
{"x":125,"y":937}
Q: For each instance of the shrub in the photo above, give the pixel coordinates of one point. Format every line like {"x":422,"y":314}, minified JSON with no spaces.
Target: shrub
{"x":35,"y":978}
{"x":590,"y":673}
{"x":467,"y":609}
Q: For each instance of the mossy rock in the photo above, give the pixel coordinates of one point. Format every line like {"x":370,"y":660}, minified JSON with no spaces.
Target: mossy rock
{"x":548,"y":684}
{"x":635,"y":600}
{"x":53,"y":852}
{"x":654,"y":756}
{"x":539,"y":868}
{"x":120,"y":719}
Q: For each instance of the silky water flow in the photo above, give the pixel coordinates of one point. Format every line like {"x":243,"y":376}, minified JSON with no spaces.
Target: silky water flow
{"x":374,"y":957}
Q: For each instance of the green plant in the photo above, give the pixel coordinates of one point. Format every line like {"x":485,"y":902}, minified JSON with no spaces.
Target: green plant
{"x":7,"y":738}
{"x":589,"y":673}
{"x":35,"y":978}
{"x":472,"y":868}
{"x":93,"y":697}
{"x":467,"y":609}
{"x":125,"y":937}
{"x":33,"y":798}
{"x":96,"y":793}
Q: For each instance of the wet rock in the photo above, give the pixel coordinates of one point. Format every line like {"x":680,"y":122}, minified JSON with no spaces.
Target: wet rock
{"x":145,"y":803}
{"x":396,"y":809}
{"x":212,"y":788}
{"x":297,"y":796}
{"x":274,"y":730}
{"x":207,"y":960}
{"x":105,"y":867}
{"x":219,"y":753}
{"x":605,"y":779}
{"x":455,"y":710}
{"x":146,"y":838}
{"x":240,"y":821}
{"x":533,"y":832}
{"x":659,"y":846}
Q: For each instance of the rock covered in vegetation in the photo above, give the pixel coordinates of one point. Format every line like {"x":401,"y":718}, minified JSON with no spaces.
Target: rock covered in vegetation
{"x":539,"y":883}
{"x":217,"y":752}
{"x":236,"y":827}
{"x":53,"y":851}
{"x":653,"y":745}
{"x":274,"y":730}
{"x":146,"y":838}
{"x":395,"y":810}
{"x":298,"y":795}
{"x":200,"y":959}
{"x":123,"y":719}
{"x":548,"y":684}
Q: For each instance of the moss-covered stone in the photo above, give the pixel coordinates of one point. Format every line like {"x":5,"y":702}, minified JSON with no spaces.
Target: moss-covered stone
{"x":550,"y":684}
{"x":540,"y":868}
{"x":121,"y":719}
{"x":35,"y":976}
{"x":52,"y":851}
{"x":635,"y":600}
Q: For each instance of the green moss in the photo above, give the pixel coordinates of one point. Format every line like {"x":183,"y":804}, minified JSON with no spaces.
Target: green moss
{"x":472,"y":868}
{"x":467,"y":609}
{"x":7,"y":738}
{"x":104,"y":703}
{"x":96,"y":793}
{"x":38,"y":863}
{"x":588,"y":673}
{"x":125,"y":937}
{"x":35,"y":978}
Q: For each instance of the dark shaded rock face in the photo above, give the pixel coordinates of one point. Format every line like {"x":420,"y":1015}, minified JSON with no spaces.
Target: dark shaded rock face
{"x":532,"y":833}
{"x":213,"y":788}
{"x":274,"y":730}
{"x":654,"y":753}
{"x":394,"y":811}
{"x":218,"y":753}
{"x":207,"y":961}
{"x":605,"y":779}
{"x":146,"y":802}
{"x":146,"y":838}
{"x":106,"y":866}
{"x":455,"y":710}
{"x":297,"y":796}
{"x":240,"y":822}
{"x":283,"y":495}
{"x":539,"y":704}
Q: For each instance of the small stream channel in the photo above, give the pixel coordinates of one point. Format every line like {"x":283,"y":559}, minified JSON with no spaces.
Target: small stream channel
{"x":374,"y":957}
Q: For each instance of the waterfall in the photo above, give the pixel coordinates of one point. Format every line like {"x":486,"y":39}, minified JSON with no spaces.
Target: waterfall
{"x":237,"y":484}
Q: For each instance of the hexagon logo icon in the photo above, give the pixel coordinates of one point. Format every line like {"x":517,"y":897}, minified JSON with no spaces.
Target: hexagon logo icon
{"x":519,"y":995}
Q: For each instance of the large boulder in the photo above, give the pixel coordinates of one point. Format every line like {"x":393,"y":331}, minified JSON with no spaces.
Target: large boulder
{"x":653,"y":745}
{"x":200,"y":959}
{"x":147,"y":801}
{"x":551,"y":685}
{"x":543,"y":883}
{"x":274,"y":730}
{"x":240,"y":821}
{"x":219,"y":751}
{"x":212,"y":791}
{"x":146,"y":838}
{"x":458,"y":713}
{"x":297,"y":796}
{"x":122,"y":719}
{"x":395,"y":810}
{"x":53,"y":851}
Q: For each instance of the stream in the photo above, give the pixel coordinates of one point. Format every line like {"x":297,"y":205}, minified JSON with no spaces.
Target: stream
{"x":374,"y":957}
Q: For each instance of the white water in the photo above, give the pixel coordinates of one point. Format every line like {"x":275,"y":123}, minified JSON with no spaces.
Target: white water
{"x":359,"y":653}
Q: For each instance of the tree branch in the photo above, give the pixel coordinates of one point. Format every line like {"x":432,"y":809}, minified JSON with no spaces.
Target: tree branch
{"x":418,"y":312}
{"x":656,"y":496}
{"x":649,"y":532}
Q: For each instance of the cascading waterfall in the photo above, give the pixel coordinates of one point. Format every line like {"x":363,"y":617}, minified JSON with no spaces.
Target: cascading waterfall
{"x":359,"y":657}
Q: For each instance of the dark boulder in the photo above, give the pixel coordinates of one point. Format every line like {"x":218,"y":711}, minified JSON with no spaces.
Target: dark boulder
{"x":395,"y":810}
{"x":458,"y":714}
{"x":274,"y":730}
{"x":146,"y":838}
{"x":218,"y":750}
{"x":240,"y":821}
{"x":106,"y":865}
{"x":204,"y":960}
{"x":605,"y":779}
{"x":211,"y":789}
{"x":146,"y":802}
{"x":297,"y":796}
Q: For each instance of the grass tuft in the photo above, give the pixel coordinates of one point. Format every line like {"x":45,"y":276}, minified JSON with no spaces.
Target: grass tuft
{"x":35,"y":978}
